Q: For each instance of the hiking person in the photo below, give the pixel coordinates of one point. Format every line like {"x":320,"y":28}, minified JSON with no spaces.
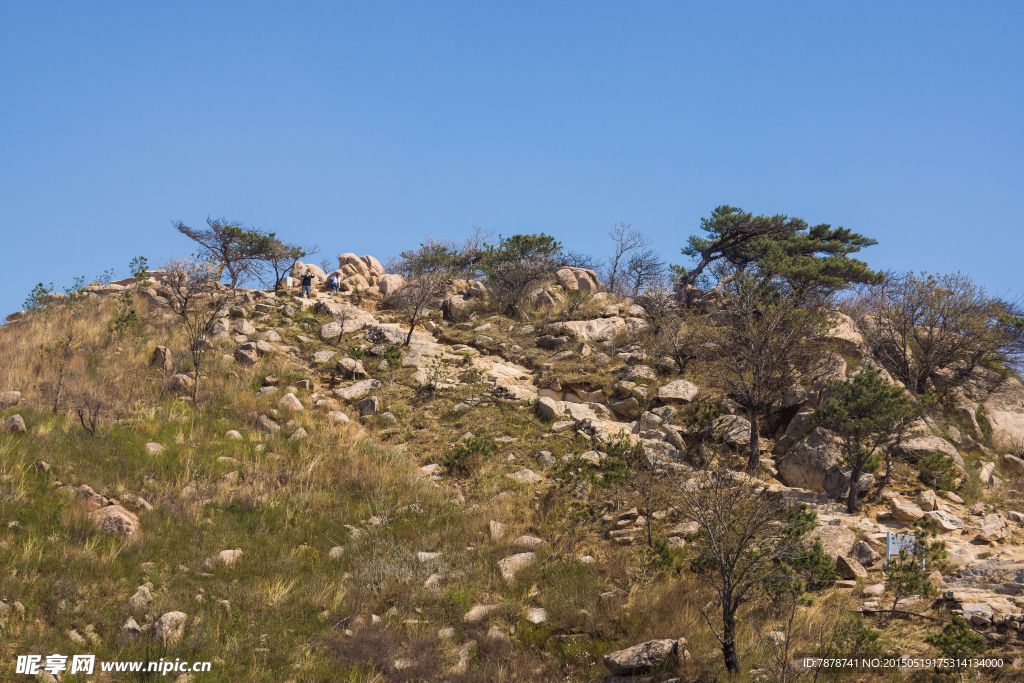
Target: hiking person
{"x":307,"y":283}
{"x":332,"y":283}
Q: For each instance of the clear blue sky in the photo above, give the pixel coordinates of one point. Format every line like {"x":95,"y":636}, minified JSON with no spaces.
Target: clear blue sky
{"x":365,"y":127}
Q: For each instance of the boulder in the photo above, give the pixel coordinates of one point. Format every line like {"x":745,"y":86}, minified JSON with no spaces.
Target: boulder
{"x":478,"y":613}
{"x":14,"y":423}
{"x":640,"y":658}
{"x":350,"y":367}
{"x":864,"y":554}
{"x":243,"y":326}
{"x":628,"y":408}
{"x":358,"y":390}
{"x":115,"y":520}
{"x":601,"y":329}
{"x":141,"y":599}
{"x":947,"y":521}
{"x":1004,"y":410}
{"x":922,"y":446}
{"x":849,"y":568}
{"x":527,"y":476}
{"x":927,"y":501}
{"x":246,"y":356}
{"x":903,"y":511}
{"x":806,"y":463}
{"x":836,"y":541}
{"x":170,"y":627}
{"x":9,"y":399}
{"x":162,"y":358}
{"x":389,"y":284}
{"x":369,"y":406}
{"x":289,"y":402}
{"x":181,"y":383}
{"x":677,"y":391}
{"x":337,"y":416}
{"x":130,"y":631}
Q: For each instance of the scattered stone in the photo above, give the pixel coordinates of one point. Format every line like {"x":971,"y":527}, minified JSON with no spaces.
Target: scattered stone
{"x":640,"y":658}
{"x":44,"y":466}
{"x":169,"y":628}
{"x":358,"y":390}
{"x":904,"y":512}
{"x":130,"y":631}
{"x":114,"y":519}
{"x":513,"y":564}
{"x":526,"y":476}
{"x":337,"y":416}
{"x":926,"y":501}
{"x":947,"y":521}
{"x":243,"y":326}
{"x":536,"y":615}
{"x":141,"y":598}
{"x":233,"y":434}
{"x":836,"y":541}
{"x":678,"y":391}
{"x":478,"y":613}
{"x":497,"y":530}
{"x":154,"y":448}
{"x":874,"y":591}
{"x":850,"y":568}
{"x":336,"y":552}
{"x":266,"y":424}
{"x":14,"y":423}
{"x":864,"y":553}
{"x":289,"y":402}
{"x":299,"y":433}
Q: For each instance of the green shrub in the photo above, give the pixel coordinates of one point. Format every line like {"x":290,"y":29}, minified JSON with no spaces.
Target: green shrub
{"x":464,"y":457}
{"x":938,"y":471}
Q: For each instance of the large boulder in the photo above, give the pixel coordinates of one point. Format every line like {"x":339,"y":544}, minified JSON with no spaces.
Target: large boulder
{"x":640,"y":658}
{"x":601,"y":329}
{"x":390,"y":283}
{"x":677,"y":391}
{"x":1004,"y":410}
{"x":922,"y":446}
{"x":806,"y":464}
{"x":9,"y":398}
{"x":577,"y":279}
{"x":836,"y":541}
{"x":358,"y":390}
{"x":170,"y":627}
{"x":903,"y":511}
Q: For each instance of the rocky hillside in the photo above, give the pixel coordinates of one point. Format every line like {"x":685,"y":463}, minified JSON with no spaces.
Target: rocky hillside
{"x":335,"y":505}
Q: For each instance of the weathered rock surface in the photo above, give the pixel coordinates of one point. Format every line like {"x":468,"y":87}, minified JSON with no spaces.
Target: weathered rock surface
{"x":14,"y":423}
{"x":836,"y":541}
{"x":114,"y":519}
{"x":640,"y":658}
{"x":513,"y":564}
{"x":170,"y":627}
{"x":678,"y":391}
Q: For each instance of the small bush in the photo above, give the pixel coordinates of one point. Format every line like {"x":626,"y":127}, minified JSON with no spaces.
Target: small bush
{"x":937,"y":471}
{"x":464,"y":457}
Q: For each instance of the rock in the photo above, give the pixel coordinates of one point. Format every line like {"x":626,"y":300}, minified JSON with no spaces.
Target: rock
{"x":836,"y":541}
{"x":926,"y":501}
{"x":181,"y":383}
{"x":266,"y":424}
{"x":323,"y":356}
{"x":243,"y":326}
{"x":536,"y":615}
{"x":497,"y":530}
{"x":170,"y":627}
{"x":114,"y":519}
{"x":530,"y":541}
{"x":875,"y":591}
{"x":903,"y":511}
{"x":850,"y":568}
{"x":153,"y":448}
{"x":628,"y":408}
{"x":986,"y":474}
{"x":640,"y":372}
{"x":640,"y":658}
{"x":864,"y":553}
{"x":805,"y":464}
{"x":44,"y":466}
{"x":141,"y":598}
{"x":390,"y":283}
{"x":923,"y":446}
{"x":946,"y":520}
{"x":14,"y":423}
{"x":130,"y":631}
{"x":246,"y":356}
{"x":350,"y":367}
{"x":955,"y":498}
{"x":229,"y":557}
{"x":678,"y":391}
{"x":289,"y":402}
{"x":993,"y":528}
{"x":269,"y":336}
{"x":358,"y":390}
{"x":336,"y":552}
{"x":337,"y":416}
{"x":431,"y":470}
{"x":601,"y":329}
{"x":427,"y":557}
{"x":369,"y":406}
{"x":478,"y":613}
{"x":1004,"y":411}
{"x":526,"y":476}
{"x":513,"y":564}
{"x":162,"y":358}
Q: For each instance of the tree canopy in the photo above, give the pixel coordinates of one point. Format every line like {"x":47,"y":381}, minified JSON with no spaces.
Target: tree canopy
{"x":777,"y":245}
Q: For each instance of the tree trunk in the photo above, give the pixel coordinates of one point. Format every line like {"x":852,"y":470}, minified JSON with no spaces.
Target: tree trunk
{"x":754,"y":460}
{"x":885,"y":477}
{"x":732,"y":662}
{"x":412,"y":326}
{"x":851,"y":498}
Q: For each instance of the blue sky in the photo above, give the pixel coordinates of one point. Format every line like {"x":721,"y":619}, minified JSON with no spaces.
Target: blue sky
{"x":365,"y":127}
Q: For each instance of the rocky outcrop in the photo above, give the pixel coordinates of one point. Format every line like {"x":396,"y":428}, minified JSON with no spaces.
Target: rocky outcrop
{"x":641,"y":658}
{"x":806,"y":464}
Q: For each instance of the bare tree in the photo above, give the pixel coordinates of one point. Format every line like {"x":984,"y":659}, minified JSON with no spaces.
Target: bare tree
{"x":281,"y":257}
{"x":746,"y":539}
{"x":765,"y":342}
{"x":645,"y":271}
{"x":626,"y":240}
{"x":195,"y":297}
{"x":932,"y":331}
{"x":67,"y":342}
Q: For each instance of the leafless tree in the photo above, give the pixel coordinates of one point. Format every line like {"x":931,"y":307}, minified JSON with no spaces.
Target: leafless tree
{"x":193,"y":294}
{"x":280,"y":258}
{"x":645,"y":271}
{"x":626,"y":240}
{"x":428,"y":273}
{"x":747,"y":535}
{"x":68,"y":341}
{"x":765,"y":342}
{"x":932,"y":331}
